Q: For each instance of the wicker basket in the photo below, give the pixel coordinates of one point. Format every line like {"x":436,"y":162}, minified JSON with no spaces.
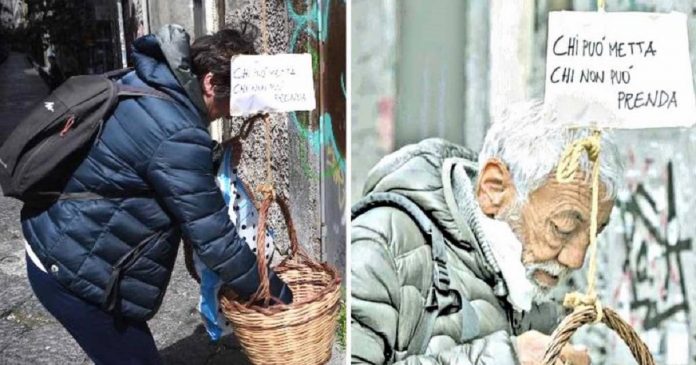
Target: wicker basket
{"x":302,"y":332}
{"x":587,"y":315}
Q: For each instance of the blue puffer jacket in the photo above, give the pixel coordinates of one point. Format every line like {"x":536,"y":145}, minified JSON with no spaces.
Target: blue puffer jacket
{"x":157,"y":153}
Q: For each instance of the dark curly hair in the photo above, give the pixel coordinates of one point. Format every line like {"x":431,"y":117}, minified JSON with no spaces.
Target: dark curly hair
{"x":212,"y":53}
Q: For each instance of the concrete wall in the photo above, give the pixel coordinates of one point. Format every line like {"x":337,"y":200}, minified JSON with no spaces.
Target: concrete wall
{"x":419,"y":69}
{"x":163,"y":12}
{"x":308,"y":147}
{"x":373,"y":89}
{"x":511,"y":25}
{"x":430,"y":70}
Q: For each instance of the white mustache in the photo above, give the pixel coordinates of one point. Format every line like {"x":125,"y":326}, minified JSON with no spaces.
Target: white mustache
{"x":551,"y":267}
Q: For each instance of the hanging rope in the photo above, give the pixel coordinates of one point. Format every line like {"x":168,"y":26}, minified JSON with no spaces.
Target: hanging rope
{"x":600,"y":5}
{"x":264,"y":28}
{"x":567,"y":168}
{"x":266,"y":189}
{"x":587,"y":307}
{"x":611,"y":319}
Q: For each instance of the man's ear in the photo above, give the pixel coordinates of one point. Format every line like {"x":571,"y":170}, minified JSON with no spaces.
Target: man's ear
{"x":207,"y":83}
{"x":495,"y":189}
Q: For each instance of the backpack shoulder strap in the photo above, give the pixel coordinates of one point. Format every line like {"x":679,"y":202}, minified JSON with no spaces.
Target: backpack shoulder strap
{"x":130,"y":90}
{"x":441,"y":299}
{"x":398,"y":201}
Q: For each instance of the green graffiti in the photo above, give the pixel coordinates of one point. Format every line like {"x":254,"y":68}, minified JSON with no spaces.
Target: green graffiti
{"x":315,"y":58}
{"x":314,"y":23}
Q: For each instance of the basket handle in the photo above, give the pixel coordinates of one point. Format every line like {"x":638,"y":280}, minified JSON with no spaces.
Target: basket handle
{"x":586,"y":315}
{"x":263,"y":294}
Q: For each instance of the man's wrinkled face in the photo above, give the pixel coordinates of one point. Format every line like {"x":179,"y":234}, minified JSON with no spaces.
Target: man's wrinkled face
{"x":553,"y":223}
{"x":554,"y":228}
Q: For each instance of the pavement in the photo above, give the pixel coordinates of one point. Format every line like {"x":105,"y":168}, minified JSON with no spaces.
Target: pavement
{"x":20,"y":88}
{"x":28,"y":333}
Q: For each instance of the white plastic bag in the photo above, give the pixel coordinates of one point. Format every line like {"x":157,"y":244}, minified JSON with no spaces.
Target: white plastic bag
{"x":244,"y":215}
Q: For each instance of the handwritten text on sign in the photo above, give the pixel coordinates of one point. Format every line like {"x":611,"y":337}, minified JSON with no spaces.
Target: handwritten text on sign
{"x":271,"y":83}
{"x":630,"y":70}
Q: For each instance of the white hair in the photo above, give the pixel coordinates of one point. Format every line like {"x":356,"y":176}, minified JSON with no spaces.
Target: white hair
{"x":529,"y":140}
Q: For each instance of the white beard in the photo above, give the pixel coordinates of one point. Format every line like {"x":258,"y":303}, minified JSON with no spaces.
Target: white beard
{"x":541,"y":294}
{"x":544,"y":294}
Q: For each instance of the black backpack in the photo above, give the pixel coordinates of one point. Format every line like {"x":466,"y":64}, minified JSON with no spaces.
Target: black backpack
{"x":40,"y":155}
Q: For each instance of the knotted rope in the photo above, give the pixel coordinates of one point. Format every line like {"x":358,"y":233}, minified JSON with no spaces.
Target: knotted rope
{"x":266,"y":188}
{"x":264,"y":27}
{"x":587,"y":307}
{"x":567,"y":167}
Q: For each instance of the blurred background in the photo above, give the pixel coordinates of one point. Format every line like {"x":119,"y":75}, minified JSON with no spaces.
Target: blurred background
{"x":444,"y":68}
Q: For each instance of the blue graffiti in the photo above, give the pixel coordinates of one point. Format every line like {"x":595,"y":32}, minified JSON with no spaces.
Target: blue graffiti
{"x":314,"y":22}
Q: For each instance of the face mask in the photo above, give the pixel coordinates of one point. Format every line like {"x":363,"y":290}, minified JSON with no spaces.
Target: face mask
{"x":507,"y":250}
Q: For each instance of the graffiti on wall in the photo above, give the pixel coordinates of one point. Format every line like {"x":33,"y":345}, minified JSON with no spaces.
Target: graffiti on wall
{"x":643,"y":256}
{"x":318,"y":28}
{"x":654,"y":267}
{"x":310,"y":33}
{"x":650,"y":242}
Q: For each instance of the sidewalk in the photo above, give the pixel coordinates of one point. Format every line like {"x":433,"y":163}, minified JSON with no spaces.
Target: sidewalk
{"x":20,"y":88}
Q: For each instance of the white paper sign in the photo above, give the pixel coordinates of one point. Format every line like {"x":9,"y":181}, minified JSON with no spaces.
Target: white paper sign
{"x":620,"y":70}
{"x":271,"y":83}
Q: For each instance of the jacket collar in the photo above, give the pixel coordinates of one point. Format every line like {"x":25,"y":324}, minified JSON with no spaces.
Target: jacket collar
{"x":174,"y":43}
{"x":458,"y":191}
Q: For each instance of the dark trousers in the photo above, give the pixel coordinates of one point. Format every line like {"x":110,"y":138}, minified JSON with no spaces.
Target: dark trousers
{"x":103,"y":339}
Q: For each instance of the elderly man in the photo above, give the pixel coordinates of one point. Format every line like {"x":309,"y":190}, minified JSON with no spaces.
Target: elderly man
{"x":454,"y":261}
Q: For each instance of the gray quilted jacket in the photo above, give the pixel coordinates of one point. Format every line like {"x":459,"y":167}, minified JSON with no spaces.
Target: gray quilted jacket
{"x":392,"y":269}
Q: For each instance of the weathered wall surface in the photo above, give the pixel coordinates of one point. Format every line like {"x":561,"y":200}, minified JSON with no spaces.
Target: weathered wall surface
{"x":163,"y":12}
{"x":419,"y":69}
{"x":332,"y":127}
{"x":308,"y":147}
{"x":373,"y":36}
{"x":647,"y":253}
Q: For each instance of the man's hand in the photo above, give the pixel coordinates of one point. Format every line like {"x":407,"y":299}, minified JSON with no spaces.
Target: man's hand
{"x":532,"y":345}
{"x":575,"y":355}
